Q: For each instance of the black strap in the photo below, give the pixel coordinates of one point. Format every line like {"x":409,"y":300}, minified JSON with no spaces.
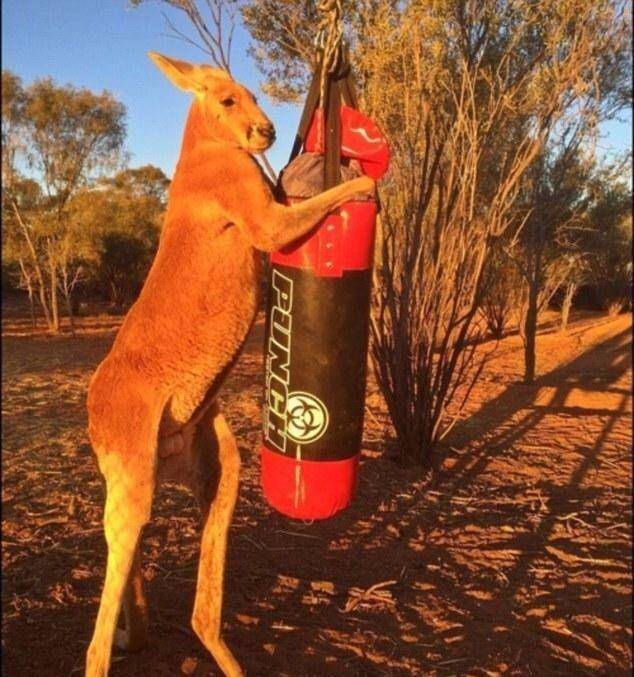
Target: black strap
{"x":349,"y":93}
{"x":339,"y":87}
{"x":310,"y":106}
{"x":332,"y":134}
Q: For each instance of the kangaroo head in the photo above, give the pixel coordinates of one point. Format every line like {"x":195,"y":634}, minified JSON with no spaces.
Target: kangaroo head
{"x":230,"y":110}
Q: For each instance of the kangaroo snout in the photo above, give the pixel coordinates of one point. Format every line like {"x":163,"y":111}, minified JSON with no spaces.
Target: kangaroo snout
{"x":266,"y":131}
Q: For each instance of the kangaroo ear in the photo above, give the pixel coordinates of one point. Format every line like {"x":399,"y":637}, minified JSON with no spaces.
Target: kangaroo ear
{"x":180,"y":73}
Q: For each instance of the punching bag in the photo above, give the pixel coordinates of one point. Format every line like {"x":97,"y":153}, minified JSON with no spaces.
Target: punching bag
{"x":317,"y":315}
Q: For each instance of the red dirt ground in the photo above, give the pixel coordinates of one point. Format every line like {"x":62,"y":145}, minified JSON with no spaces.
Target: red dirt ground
{"x":514,"y":559}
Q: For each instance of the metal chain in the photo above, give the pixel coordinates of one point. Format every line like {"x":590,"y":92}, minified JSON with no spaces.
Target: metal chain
{"x":329,"y":39}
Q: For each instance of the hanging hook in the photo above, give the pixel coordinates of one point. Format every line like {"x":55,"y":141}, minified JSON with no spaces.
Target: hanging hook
{"x":329,"y":39}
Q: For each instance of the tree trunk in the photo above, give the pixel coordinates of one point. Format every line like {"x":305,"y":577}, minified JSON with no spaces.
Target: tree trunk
{"x":69,"y":310}
{"x":530,"y":333}
{"x":54,"y":324}
{"x":614,"y":308}
{"x":36,"y":264}
{"x":41,"y":296}
{"x":32,"y":308}
{"x":26,"y":278}
{"x":114,"y":295}
{"x":566,"y":305}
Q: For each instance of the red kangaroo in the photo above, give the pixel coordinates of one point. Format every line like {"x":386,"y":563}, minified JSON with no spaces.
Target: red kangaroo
{"x":152,"y":401}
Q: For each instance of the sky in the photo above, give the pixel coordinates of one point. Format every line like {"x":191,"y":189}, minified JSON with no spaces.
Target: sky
{"x":102,"y":44}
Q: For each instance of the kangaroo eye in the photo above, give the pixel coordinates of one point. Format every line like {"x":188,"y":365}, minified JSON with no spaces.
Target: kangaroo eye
{"x":229,"y":101}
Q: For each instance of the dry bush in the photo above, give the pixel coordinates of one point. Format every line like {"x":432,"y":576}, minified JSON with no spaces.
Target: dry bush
{"x":468,"y":96}
{"x":502,"y":293}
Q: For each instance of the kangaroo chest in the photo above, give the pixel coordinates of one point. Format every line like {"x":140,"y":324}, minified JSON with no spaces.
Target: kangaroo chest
{"x":211,"y":338}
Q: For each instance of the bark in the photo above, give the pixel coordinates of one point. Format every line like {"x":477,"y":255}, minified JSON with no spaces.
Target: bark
{"x":69,"y":310}
{"x":26,"y":277}
{"x":54,"y":324}
{"x":67,"y":290}
{"x":32,"y":308}
{"x":36,"y":265}
{"x":566,"y":305}
{"x":530,"y":333}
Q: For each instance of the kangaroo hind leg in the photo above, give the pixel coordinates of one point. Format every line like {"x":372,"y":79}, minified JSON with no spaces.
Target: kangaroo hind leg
{"x":134,"y":635}
{"x":214,"y":482}
{"x":127,"y":464}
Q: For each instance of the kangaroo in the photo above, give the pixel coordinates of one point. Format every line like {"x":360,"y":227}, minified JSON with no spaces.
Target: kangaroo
{"x":152,"y":411}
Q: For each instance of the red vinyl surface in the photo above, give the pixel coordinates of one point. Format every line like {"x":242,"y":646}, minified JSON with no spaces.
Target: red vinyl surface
{"x":361,"y":139}
{"x":307,"y":489}
{"x":342,"y":241}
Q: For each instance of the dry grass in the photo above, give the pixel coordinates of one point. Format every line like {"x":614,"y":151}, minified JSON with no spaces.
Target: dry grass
{"x":514,"y":559}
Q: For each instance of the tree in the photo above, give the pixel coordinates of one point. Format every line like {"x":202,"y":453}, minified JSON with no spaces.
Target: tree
{"x":68,"y":137}
{"x":16,"y":190}
{"x":19,"y":196}
{"x":554,"y":199}
{"x":578,"y":274}
{"x":123,"y":216}
{"x":143,"y":182}
{"x":557,"y":246}
{"x":610,"y":240}
{"x":13,"y":101}
{"x":599,"y":246}
{"x":284,"y":37}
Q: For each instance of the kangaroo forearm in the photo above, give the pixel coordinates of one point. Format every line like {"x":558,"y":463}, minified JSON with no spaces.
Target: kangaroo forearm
{"x":285,"y":224}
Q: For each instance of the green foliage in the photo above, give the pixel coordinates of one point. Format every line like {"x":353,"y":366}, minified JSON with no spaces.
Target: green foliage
{"x":610,"y":242}
{"x":68,"y":220}
{"x":122,"y":217}
{"x":73,"y":133}
{"x":123,"y":263}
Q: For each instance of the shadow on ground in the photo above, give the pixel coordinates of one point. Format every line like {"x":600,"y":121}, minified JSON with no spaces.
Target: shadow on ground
{"x":514,"y":559}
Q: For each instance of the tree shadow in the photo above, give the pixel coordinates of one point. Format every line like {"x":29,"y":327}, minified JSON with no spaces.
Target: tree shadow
{"x":597,"y":596}
{"x":498,"y":426}
{"x":507,"y":578}
{"x":513,"y":560}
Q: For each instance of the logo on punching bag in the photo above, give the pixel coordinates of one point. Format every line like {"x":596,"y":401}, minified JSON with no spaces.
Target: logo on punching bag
{"x":298,"y":416}
{"x":306,"y":418}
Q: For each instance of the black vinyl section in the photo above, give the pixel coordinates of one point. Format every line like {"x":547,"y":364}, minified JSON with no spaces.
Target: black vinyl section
{"x":316,"y":345}
{"x":321,"y":350}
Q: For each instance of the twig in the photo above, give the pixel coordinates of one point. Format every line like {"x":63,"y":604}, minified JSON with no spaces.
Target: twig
{"x":615,"y":526}
{"x":374,"y":592}
{"x":54,"y":520}
{"x":28,"y":513}
{"x":610,"y":463}
{"x":283,"y":626}
{"x":565,"y":556}
{"x":452,"y":661}
{"x":259,"y":546}
{"x":294,"y":533}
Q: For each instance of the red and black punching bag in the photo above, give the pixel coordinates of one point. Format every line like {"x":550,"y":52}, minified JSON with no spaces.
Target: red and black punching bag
{"x":317,"y":316}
